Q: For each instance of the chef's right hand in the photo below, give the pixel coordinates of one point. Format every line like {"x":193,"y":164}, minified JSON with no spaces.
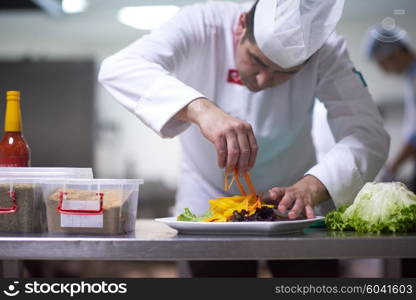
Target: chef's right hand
{"x":234,"y":139}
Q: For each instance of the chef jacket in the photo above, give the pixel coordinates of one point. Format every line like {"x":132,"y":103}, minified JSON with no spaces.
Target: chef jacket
{"x":193,"y":55}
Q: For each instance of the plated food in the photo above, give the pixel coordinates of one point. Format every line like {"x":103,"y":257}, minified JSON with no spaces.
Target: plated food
{"x":240,"y":228}
{"x":249,"y":206}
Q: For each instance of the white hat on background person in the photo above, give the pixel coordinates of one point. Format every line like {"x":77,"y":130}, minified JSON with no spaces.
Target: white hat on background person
{"x":288,"y":32}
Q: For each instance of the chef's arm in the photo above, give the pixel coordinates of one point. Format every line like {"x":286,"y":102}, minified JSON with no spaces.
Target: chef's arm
{"x":233,"y":139}
{"x":143,"y":76}
{"x":362,"y":144}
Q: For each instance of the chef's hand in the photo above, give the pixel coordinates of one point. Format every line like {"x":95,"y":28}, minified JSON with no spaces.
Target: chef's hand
{"x":234,"y":139}
{"x":299,"y":198}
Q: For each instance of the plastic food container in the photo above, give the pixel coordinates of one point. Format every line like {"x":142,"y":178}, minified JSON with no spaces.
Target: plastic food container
{"x":21,"y":207}
{"x":91,"y":206}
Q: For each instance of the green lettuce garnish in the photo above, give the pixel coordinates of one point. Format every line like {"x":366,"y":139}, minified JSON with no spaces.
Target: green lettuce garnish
{"x":187,"y":215}
{"x":378,"y":207}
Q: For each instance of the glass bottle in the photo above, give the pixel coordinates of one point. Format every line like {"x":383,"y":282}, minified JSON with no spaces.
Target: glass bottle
{"x":14,"y":150}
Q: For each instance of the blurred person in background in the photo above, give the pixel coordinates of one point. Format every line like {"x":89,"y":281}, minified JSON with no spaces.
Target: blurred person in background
{"x":390,"y":49}
{"x":237,"y":83}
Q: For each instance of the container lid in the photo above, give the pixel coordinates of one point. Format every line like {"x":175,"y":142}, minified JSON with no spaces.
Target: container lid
{"x":71,"y":180}
{"x":46,"y":172}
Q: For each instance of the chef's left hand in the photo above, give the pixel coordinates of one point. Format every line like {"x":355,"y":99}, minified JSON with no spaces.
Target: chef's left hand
{"x":300,"y":197}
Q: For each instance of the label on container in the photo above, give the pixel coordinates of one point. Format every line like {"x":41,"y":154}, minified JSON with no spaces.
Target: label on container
{"x":81,"y":221}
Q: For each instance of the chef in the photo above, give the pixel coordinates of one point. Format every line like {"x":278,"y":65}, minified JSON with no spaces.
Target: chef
{"x":237,"y":84}
{"x":390,"y":49}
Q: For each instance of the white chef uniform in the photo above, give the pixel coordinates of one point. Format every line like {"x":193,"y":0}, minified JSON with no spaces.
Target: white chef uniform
{"x":191,"y":56}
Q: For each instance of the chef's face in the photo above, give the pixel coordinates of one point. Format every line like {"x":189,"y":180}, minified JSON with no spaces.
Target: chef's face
{"x":257,"y":72}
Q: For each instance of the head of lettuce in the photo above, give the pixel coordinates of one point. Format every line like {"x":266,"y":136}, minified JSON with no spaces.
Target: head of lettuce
{"x":378,"y":207}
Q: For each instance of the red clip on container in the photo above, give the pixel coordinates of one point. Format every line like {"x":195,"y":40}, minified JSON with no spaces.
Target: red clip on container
{"x":62,"y":198}
{"x":91,"y":206}
{"x":13,"y":208}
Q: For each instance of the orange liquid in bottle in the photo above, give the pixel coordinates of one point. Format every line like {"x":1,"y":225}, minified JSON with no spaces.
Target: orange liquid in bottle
{"x":14,"y":150}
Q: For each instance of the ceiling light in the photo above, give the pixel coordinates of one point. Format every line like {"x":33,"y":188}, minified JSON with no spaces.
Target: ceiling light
{"x":74,"y":6}
{"x":146,"y":17}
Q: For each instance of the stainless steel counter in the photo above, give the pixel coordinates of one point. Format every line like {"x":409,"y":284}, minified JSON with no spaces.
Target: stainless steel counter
{"x":156,"y":241}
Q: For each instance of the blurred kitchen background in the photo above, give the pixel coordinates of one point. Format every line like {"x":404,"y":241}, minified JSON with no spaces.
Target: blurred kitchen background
{"x":51,"y":50}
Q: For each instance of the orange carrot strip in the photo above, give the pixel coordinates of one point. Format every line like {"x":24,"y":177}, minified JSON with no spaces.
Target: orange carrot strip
{"x":258,"y":200}
{"x":225,"y":181}
{"x":249,"y":183}
{"x":247,"y":204}
{"x":260,"y":196}
{"x":237,"y":180}
{"x":227,"y":185}
{"x":253,"y":207}
{"x":230,"y":184}
{"x":256,"y":204}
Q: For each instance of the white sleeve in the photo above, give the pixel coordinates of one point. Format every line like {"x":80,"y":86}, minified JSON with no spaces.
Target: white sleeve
{"x":362,"y":143}
{"x":141,"y":76}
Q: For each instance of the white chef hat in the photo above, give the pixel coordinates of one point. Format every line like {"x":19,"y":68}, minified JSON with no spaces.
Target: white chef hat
{"x":288,"y":32}
{"x":381,"y":41}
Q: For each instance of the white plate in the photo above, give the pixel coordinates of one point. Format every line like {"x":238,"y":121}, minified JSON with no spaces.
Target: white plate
{"x":240,"y":228}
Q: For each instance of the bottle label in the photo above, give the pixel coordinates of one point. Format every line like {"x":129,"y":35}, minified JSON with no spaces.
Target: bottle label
{"x":14,"y":161}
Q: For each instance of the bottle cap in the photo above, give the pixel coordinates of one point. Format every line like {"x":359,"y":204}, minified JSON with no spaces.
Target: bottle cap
{"x":13,"y":95}
{"x":13,"y":120}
